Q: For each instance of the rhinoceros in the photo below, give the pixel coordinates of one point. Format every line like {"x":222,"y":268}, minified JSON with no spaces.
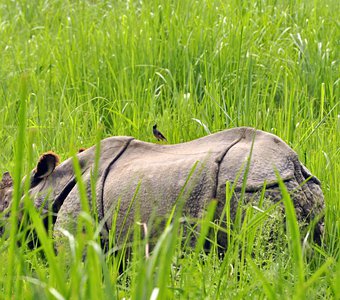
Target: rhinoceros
{"x":156,"y":175}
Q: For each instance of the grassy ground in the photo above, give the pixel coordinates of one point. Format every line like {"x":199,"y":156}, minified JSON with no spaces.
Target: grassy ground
{"x":83,"y":67}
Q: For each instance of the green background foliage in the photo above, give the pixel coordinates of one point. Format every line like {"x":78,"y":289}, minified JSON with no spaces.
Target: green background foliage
{"x":194,"y":67}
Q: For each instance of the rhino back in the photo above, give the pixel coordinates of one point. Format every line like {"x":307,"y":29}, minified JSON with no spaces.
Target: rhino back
{"x":156,"y":176}
{"x":163,"y":174}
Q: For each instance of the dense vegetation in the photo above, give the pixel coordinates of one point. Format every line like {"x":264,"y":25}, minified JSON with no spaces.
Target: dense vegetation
{"x":71,"y":71}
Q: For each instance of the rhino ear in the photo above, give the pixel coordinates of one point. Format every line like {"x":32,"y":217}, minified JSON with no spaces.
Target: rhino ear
{"x":80,"y":150}
{"x":6,"y":180}
{"x":46,"y":164}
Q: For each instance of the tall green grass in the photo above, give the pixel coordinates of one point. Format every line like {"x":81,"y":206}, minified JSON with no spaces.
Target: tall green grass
{"x":83,"y":67}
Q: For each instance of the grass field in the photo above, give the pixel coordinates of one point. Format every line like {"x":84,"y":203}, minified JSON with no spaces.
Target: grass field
{"x":73,"y":70}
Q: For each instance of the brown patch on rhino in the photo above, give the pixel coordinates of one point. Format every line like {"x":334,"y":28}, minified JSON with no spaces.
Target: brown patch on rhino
{"x":81,"y":150}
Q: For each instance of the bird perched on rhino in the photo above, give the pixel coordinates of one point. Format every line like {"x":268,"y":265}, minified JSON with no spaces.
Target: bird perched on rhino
{"x":158,"y":135}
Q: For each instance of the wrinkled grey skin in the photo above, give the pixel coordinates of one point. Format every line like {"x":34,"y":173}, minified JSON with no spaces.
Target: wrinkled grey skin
{"x":160,"y":173}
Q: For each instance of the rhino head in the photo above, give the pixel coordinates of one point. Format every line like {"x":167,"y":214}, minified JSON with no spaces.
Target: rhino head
{"x":155,"y":176}
{"x":45,"y":166}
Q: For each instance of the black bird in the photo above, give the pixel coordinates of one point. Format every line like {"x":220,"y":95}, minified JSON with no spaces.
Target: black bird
{"x":158,"y":135}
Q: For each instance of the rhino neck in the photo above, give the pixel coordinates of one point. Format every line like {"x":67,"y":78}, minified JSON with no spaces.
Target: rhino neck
{"x":103,"y":173}
{"x":59,"y":200}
